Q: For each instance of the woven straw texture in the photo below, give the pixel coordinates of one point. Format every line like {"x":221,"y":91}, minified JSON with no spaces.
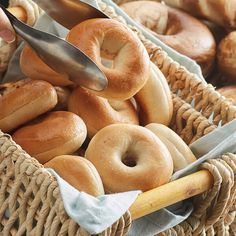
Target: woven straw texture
{"x":30,"y":203}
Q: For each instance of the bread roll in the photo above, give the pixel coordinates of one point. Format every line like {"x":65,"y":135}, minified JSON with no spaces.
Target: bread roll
{"x":23,"y":101}
{"x":56,"y":133}
{"x":180,"y":152}
{"x":78,"y":172}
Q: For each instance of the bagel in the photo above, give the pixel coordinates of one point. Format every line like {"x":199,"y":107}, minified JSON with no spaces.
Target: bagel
{"x":154,"y":99}
{"x":98,"y":112}
{"x":221,"y":12}
{"x":180,"y":152}
{"x":23,"y":101}
{"x":53,"y":134}
{"x":129,"y":157}
{"x":226,"y":56}
{"x":184,"y":33}
{"x":33,"y":67}
{"x":78,"y":172}
{"x":116,"y":43}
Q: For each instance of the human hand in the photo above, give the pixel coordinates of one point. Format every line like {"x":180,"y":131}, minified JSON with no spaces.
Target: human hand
{"x":6,"y":31}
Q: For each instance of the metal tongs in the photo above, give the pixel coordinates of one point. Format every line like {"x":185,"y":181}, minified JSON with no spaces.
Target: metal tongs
{"x":60,"y":55}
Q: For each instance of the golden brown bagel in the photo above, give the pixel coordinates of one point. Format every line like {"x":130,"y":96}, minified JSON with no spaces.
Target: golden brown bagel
{"x":23,"y":101}
{"x":109,"y":39}
{"x":33,"y":67}
{"x":184,"y":33}
{"x":129,"y":157}
{"x":221,"y":12}
{"x":78,"y":172}
{"x":229,"y":92}
{"x":98,"y":112}
{"x":56,"y":133}
{"x":226,"y":56}
{"x":179,"y":150}
{"x":154,"y":99}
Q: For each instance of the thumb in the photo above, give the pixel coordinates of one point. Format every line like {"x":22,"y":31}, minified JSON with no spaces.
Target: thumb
{"x":6,"y":31}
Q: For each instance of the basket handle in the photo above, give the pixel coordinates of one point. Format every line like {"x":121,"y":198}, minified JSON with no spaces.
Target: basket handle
{"x":171,"y":193}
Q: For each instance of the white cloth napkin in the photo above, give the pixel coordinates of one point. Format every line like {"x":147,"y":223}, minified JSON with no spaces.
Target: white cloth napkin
{"x":94,"y":214}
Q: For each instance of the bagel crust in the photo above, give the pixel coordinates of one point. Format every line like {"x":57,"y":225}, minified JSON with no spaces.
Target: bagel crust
{"x":56,"y":133}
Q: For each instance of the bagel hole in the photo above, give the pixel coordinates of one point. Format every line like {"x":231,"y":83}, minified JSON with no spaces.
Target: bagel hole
{"x":107,"y":62}
{"x":129,"y":161}
{"x":109,"y":51}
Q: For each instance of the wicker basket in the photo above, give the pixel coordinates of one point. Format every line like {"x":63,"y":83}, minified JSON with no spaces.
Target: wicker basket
{"x":30,"y":202}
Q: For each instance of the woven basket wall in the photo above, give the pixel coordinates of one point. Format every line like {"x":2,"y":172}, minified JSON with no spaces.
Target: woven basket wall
{"x":30,"y":202}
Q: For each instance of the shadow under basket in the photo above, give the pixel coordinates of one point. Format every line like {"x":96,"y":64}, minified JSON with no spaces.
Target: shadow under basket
{"x":30,"y":201}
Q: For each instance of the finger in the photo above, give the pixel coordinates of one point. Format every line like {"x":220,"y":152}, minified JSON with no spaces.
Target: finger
{"x":6,"y":31}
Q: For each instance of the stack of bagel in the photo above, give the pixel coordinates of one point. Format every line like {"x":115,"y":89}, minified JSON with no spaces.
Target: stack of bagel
{"x":202,"y":30}
{"x":109,"y":141}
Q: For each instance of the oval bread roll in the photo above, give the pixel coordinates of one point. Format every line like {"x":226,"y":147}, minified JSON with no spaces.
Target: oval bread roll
{"x":54,"y":134}
{"x":179,"y":150}
{"x":78,"y":172}
{"x":25,"y":101}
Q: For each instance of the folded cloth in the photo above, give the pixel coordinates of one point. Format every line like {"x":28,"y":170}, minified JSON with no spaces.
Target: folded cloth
{"x":94,"y":214}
